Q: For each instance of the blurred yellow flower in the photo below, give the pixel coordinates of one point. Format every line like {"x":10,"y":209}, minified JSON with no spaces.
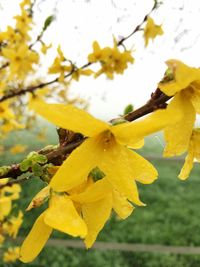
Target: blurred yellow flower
{"x":12,"y":225}
{"x":112,"y":60}
{"x":59,"y":65}
{"x":45,"y":48}
{"x":151,"y":30}
{"x":2,"y":238}
{"x":21,"y":59}
{"x":11,"y":255}
{"x":18,"y":149}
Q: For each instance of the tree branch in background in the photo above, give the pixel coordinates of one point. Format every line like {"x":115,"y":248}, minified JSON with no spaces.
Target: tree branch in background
{"x":31,"y":89}
{"x":138,"y":27}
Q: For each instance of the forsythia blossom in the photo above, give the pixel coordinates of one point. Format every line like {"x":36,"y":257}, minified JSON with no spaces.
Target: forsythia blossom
{"x":151,"y":30}
{"x":112,"y":60}
{"x":78,"y":205}
{"x":184,"y":85}
{"x":11,"y":255}
{"x":106,"y":147}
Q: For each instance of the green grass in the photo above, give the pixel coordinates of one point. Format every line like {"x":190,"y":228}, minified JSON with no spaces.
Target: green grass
{"x":172,"y":217}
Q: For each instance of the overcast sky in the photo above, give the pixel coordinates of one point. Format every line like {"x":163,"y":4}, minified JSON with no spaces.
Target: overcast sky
{"x":80,"y":22}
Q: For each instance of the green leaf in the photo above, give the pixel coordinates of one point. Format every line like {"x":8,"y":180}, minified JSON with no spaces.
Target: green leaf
{"x":96,"y":174}
{"x":41,"y":159}
{"x":129,"y":108}
{"x":25,"y":165}
{"x":4,"y":170}
{"x":37,"y":169}
{"x":48,"y":22}
{"x":37,"y":158}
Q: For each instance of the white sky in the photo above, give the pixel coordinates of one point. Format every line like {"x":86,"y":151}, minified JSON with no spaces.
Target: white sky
{"x":80,"y":22}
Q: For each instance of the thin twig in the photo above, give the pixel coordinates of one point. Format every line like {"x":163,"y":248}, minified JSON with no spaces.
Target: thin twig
{"x":138,"y":27}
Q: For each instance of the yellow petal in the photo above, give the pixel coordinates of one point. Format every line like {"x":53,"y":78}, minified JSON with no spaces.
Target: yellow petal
{"x":115,"y":164}
{"x":137,"y":145}
{"x":35,"y":240}
{"x":39,"y":198}
{"x":188,"y":165}
{"x":142,"y":170}
{"x":5,"y":207}
{"x":69,"y":117}
{"x":196,"y":143}
{"x":95,"y":192}
{"x":95,"y":215}
{"x":62,"y":215}
{"x":77,"y":166}
{"x":132,"y":132}
{"x":183,"y":76}
{"x":177,"y":136}
{"x":121,"y":206}
{"x":193,"y":94}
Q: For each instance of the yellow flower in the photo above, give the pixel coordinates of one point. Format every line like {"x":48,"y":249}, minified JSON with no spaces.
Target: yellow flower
{"x":11,"y":227}
{"x":11,"y":255}
{"x":2,"y":238}
{"x":96,"y":203}
{"x":12,"y":191}
{"x":7,"y":194}
{"x":21,"y":60}
{"x":193,"y":154}
{"x":18,"y":149}
{"x":60,"y":215}
{"x":25,"y":3}
{"x":77,"y":73}
{"x":10,"y":35}
{"x":10,"y":125}
{"x":112,"y":60}
{"x":23,"y":22}
{"x":92,"y":201}
{"x":5,"y":111}
{"x":151,"y":30}
{"x":106,"y":148}
{"x":5,"y":207}
{"x":119,"y":60}
{"x":45,"y":47}
{"x":59,"y":66}
{"x":185,"y":85}
{"x":99,"y":54}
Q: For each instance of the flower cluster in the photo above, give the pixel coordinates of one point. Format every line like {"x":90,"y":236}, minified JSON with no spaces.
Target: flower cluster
{"x":112,"y":60}
{"x":9,"y":223}
{"x":81,"y":200}
{"x":16,"y":50}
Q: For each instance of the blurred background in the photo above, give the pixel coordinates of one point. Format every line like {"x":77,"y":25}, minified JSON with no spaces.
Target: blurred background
{"x":172,"y":215}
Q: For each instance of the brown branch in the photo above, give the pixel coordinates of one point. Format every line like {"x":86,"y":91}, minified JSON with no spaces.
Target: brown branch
{"x":158,"y":100}
{"x":4,"y":66}
{"x":56,"y":157}
{"x":72,"y":140}
{"x":31,"y":89}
